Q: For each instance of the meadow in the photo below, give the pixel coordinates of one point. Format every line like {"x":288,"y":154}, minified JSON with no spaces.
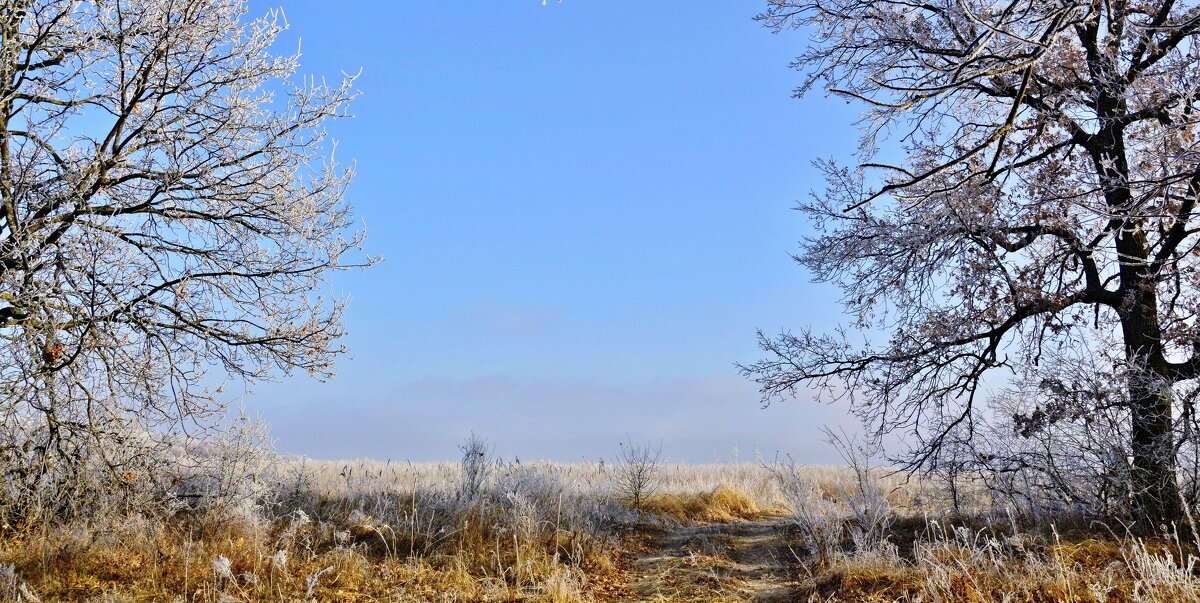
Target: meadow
{"x":484,"y":529}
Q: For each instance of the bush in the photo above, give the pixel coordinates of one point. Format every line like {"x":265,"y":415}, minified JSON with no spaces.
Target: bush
{"x":637,"y":469}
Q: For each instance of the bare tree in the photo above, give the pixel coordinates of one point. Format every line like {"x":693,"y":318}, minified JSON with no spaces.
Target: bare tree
{"x":637,"y":468}
{"x":476,"y":466}
{"x":167,"y":207}
{"x":1027,"y":179}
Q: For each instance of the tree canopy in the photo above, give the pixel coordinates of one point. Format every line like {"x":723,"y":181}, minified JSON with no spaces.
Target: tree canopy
{"x":167,"y":207}
{"x":1024,"y":200}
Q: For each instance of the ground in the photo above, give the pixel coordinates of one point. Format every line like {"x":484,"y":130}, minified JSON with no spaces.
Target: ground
{"x":743,"y":561}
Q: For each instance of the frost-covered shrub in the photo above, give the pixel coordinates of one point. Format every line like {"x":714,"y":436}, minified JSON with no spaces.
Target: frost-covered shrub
{"x":230,"y":474}
{"x":228,"y":469}
{"x":819,"y":520}
{"x":475,"y":465}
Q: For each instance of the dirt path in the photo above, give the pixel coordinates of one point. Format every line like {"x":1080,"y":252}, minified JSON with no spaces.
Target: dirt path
{"x":747,"y":561}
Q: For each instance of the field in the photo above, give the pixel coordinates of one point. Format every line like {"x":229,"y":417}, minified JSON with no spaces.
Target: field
{"x":488,"y":530}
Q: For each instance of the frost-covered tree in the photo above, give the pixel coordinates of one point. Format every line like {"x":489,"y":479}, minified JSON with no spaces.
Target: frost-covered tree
{"x":1027,"y":181}
{"x":167,"y":208}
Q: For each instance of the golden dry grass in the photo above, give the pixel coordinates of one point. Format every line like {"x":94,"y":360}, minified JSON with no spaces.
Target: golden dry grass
{"x":721,"y":504}
{"x":160,"y":561}
{"x":1021,"y":568}
{"x":512,"y":546}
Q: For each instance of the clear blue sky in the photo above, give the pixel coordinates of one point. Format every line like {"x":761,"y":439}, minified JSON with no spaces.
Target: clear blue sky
{"x":585,"y":210}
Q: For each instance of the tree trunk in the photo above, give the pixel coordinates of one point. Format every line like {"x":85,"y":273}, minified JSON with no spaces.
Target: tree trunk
{"x":1155,"y":486}
{"x":1154,"y":483}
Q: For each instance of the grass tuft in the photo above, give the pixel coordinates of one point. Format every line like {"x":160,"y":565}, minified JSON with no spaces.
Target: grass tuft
{"x":719,"y":505}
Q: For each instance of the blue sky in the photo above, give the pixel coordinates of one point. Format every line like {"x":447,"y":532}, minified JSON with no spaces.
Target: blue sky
{"x":585,"y":210}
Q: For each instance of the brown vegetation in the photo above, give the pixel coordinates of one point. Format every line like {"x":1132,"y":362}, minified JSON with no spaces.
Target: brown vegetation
{"x":375,"y":532}
{"x":722,"y":504}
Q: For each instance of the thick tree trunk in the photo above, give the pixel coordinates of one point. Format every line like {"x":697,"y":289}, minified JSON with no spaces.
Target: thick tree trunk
{"x":1155,"y":486}
{"x":1154,"y":483}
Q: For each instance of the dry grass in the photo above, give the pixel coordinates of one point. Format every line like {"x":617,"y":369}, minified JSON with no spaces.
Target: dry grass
{"x":369,"y":531}
{"x":987,"y":570}
{"x":722,"y":504}
{"x":161,"y":561}
{"x":980,"y":559}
